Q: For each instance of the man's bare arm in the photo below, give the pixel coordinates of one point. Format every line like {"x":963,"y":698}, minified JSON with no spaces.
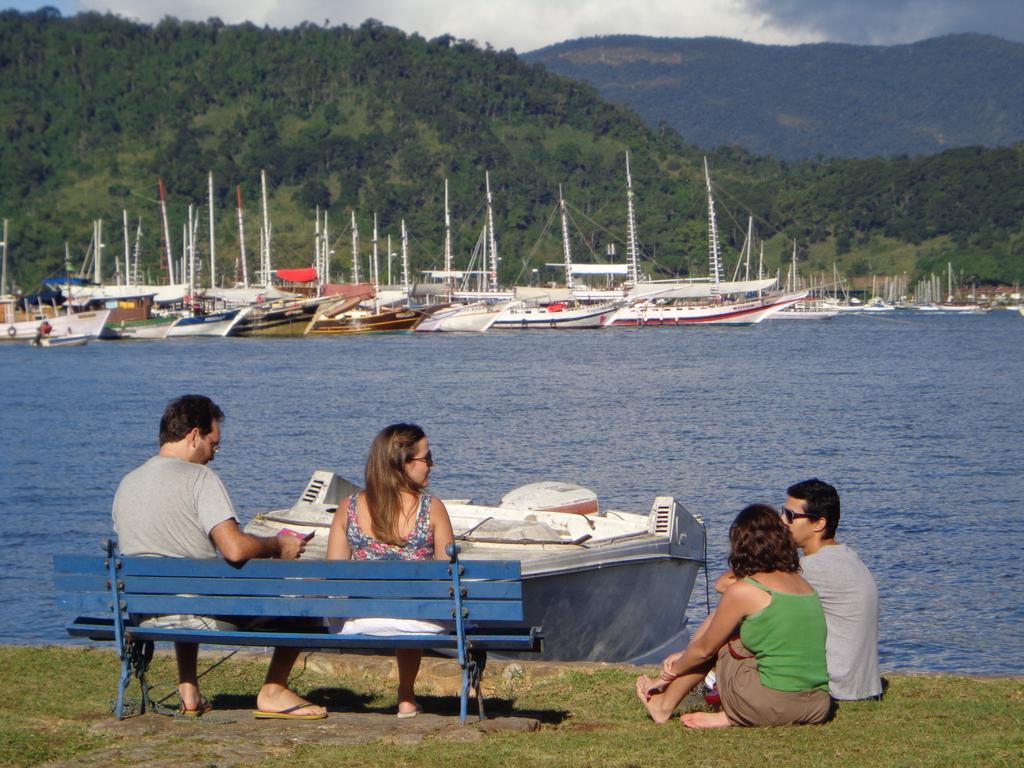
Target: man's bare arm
{"x":236,"y":546}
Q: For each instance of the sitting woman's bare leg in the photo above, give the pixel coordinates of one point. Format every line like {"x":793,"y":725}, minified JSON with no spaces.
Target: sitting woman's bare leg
{"x":660,"y":706}
{"x":705,"y":720}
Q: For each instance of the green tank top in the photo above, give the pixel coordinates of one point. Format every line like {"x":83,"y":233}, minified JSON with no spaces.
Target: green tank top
{"x":788,"y":640}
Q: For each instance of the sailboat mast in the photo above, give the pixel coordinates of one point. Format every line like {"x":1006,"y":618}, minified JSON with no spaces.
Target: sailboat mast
{"x":97,"y":263}
{"x":750,"y":244}
{"x":241,"y":237}
{"x":136,"y":252}
{"x":213,"y":247}
{"x":127,"y":250}
{"x":265,"y":261}
{"x":167,"y":232}
{"x":327,"y":252}
{"x":355,"y":249}
{"x":492,"y":242}
{"x":405,"y":259}
{"x":448,"y":243}
{"x":375,"y":268}
{"x":714,"y":251}
{"x":191,"y":256}
{"x":566,"y":251}
{"x":3,"y":269}
{"x":632,"y":257}
{"x":793,"y":286}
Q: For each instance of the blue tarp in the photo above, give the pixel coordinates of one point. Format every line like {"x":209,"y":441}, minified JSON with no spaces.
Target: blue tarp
{"x":53,"y":281}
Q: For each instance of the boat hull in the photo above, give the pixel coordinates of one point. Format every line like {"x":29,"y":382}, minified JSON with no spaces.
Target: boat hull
{"x":612,"y":587}
{"x":287,"y":319}
{"x":219,"y":323}
{"x":390,"y":321}
{"x":88,"y":324}
{"x":541,"y":319}
{"x":153,"y":328}
{"x":469,"y":318}
{"x":746,"y":313}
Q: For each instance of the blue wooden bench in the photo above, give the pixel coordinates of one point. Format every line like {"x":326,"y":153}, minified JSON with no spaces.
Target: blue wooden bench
{"x":481,"y":600}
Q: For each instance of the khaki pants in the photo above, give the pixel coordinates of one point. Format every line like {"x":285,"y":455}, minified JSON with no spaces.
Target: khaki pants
{"x":747,"y":702}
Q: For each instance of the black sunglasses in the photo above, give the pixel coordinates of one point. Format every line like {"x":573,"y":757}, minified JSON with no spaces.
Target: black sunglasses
{"x":428,"y":459}
{"x":790,"y":515}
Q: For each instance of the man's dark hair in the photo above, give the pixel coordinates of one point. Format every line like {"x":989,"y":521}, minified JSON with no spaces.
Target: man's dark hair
{"x":185,"y":413}
{"x":820,"y":500}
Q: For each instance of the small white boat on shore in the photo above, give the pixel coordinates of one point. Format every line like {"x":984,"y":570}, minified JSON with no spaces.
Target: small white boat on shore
{"x":605,"y":585}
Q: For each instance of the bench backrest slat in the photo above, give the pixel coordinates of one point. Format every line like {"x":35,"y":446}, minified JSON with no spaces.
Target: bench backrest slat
{"x":152,"y":585}
{"x":345,"y":569}
{"x":477,"y":610}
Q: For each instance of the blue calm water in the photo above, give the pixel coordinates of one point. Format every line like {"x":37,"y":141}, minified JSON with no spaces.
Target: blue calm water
{"x":918,"y":420}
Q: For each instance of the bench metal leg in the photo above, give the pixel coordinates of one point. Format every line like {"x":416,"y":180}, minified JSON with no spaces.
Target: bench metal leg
{"x":478,"y":663}
{"x":135,"y":658}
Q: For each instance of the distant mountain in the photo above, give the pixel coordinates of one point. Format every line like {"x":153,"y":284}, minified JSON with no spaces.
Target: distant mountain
{"x":797,"y":102}
{"x":372,"y":122}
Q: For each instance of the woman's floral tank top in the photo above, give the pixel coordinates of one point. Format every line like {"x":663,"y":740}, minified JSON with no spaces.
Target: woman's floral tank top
{"x":418,"y":546}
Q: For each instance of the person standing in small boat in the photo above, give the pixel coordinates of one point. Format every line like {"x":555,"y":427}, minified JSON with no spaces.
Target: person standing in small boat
{"x":393,"y":519}
{"x":766,"y":639}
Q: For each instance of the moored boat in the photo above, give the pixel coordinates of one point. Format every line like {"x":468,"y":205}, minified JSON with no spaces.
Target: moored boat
{"x":22,"y":323}
{"x":220,"y":322}
{"x":741,"y":313}
{"x":558,"y":315}
{"x":605,"y":586}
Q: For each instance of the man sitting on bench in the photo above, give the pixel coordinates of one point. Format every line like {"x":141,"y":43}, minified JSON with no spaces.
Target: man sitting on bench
{"x":176,"y":506}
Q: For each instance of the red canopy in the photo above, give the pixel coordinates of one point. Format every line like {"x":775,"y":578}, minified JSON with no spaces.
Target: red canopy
{"x":300,"y":275}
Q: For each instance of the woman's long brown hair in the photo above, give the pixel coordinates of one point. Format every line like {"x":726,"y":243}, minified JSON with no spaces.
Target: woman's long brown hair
{"x":386,"y":478}
{"x":759,"y":542}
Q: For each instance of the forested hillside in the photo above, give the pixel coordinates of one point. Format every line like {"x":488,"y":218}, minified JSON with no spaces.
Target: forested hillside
{"x":798,"y":102}
{"x":370,"y":120}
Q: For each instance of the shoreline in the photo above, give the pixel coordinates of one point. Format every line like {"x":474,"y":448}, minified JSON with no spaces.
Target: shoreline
{"x":342,"y":663}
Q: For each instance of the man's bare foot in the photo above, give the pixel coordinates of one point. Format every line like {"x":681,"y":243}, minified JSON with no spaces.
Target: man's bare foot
{"x":706,"y":720}
{"x":654,"y":703}
{"x":191,"y":699}
{"x":276,"y":698}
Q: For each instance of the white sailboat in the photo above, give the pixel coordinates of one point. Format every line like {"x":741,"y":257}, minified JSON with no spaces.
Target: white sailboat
{"x":663,"y":302}
{"x":470,"y":311}
{"x":555,"y":315}
{"x":811,"y":308}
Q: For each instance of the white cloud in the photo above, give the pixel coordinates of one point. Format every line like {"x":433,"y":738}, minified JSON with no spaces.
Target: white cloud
{"x":529,"y":24}
{"x":520,"y":24}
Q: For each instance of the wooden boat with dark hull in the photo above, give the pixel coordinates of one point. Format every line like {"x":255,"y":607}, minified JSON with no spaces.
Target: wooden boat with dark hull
{"x":400,"y":320}
{"x":281,"y":318}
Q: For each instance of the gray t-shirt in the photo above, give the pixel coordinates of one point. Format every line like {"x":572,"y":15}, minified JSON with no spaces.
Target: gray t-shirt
{"x":168,"y":507}
{"x":850,"y":599}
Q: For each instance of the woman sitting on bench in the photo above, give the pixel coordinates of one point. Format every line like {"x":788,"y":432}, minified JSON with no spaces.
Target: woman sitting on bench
{"x":394,"y":520}
{"x":767,"y":635}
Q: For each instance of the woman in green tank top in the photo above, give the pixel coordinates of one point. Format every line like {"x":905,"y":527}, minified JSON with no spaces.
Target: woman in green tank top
{"x":766,"y":639}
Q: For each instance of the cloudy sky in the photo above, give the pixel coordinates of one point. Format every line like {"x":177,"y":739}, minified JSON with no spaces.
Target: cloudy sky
{"x":528,"y":24}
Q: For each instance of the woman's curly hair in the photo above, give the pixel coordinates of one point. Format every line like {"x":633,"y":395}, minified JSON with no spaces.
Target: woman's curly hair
{"x":760,"y":542}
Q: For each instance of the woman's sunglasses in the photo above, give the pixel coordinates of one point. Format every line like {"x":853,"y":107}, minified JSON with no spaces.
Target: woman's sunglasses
{"x":428,"y":459}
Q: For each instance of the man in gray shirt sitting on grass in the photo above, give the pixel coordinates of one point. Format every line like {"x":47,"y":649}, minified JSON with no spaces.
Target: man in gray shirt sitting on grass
{"x":845,"y":585}
{"x":176,"y":506}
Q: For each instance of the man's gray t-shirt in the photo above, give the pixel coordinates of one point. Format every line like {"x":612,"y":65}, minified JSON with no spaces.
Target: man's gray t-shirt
{"x":168,"y":507}
{"x":850,"y":599}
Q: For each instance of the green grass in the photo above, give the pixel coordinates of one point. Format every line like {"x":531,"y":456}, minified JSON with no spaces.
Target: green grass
{"x":55,"y":695}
